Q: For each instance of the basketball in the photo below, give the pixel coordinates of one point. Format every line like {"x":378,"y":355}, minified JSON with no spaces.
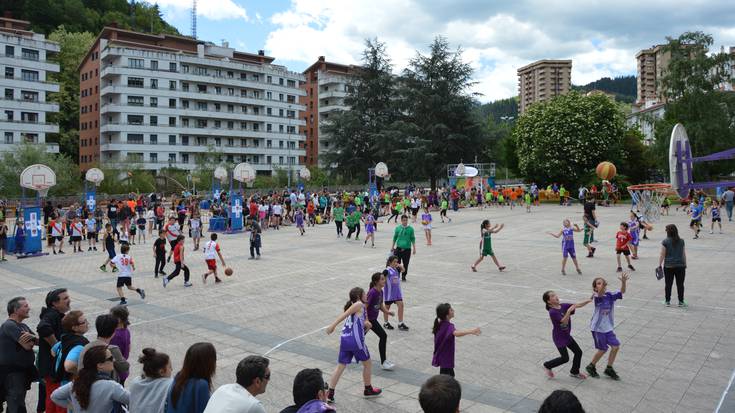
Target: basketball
{"x":606,"y":170}
{"x":228,"y":271}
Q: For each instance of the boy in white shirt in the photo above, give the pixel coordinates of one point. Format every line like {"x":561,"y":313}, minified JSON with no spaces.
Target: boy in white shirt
{"x":77,"y":230}
{"x":172,"y":234}
{"x":125,"y":265}
{"x":211,"y":251}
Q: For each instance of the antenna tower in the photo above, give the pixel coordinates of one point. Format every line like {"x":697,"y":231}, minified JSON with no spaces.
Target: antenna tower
{"x":194,"y":19}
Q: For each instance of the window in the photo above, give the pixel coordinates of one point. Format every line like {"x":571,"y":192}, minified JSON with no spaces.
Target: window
{"x":30,"y":138}
{"x":8,"y":135}
{"x":154,"y":83}
{"x":230,"y":158}
{"x":268,"y":144}
{"x":29,"y":54}
{"x":135,"y":120}
{"x":291,"y":99}
{"x":243,"y":76}
{"x":256,"y":78}
{"x":230,"y":74}
{"x":291,"y":83}
{"x":217,"y":107}
{"x":280,"y":160}
{"x":256,"y":127}
{"x":217,"y":124}
{"x":185,"y":87}
{"x":269,"y":127}
{"x":185,"y":68}
{"x":154,"y":157}
{"x":154,"y":64}
{"x":280,"y":97}
{"x":269,"y":79}
{"x":154,"y":139}
{"x":280,"y":128}
{"x":172,"y":85}
{"x":172,"y":158}
{"x":202,"y":88}
{"x":201,"y":105}
{"x":9,"y":115}
{"x":172,"y":139}
{"x":268,"y":159}
{"x":171,"y":121}
{"x":201,"y":123}
{"x":280,"y":81}
{"x":9,"y":94}
{"x":280,"y":144}
{"x":231,"y":91}
{"x":137,"y":101}
{"x":138,"y":82}
{"x":135,"y":138}
{"x":154,"y":102}
{"x":172,"y":68}
{"x":291,"y":114}
{"x":135,"y":63}
{"x":9,"y":73}
{"x":185,"y":104}
{"x":30,"y":117}
{"x":218,"y":90}
{"x":217,"y":142}
{"x":230,"y":125}
{"x":201,"y":140}
{"x":280,"y":113}
{"x":172,"y":103}
{"x":154,"y":120}
{"x":9,"y":51}
{"x":29,"y":75}
{"x":256,"y":110}
{"x":269,"y":95}
{"x":217,"y":73}
{"x":185,"y":140}
{"x":230,"y":142}
{"x":185,"y":122}
{"x":256,"y":94}
{"x":185,"y":157}
{"x":269,"y":111}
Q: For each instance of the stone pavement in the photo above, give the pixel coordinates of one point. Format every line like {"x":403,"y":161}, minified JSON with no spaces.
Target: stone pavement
{"x":671,"y":359}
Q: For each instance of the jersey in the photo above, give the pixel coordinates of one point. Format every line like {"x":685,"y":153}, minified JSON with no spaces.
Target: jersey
{"x":172,"y":231}
{"x":353,"y":332}
{"x":76,"y":229}
{"x":211,"y":249}
{"x":57,"y":229}
{"x":567,"y":238}
{"x":715,"y":212}
{"x":124,"y":264}
{"x":91,"y":225}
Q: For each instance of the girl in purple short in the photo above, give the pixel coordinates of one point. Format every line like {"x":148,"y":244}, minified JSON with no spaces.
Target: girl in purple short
{"x":369,"y":229}
{"x":352,"y":342}
{"x":375,"y":305}
{"x":392,"y":291}
{"x":602,"y":325}
{"x":299,"y":220}
{"x":426,"y":224}
{"x":567,"y":245}
{"x":634,"y":227}
{"x":561,"y":320}
{"x":444,"y":335}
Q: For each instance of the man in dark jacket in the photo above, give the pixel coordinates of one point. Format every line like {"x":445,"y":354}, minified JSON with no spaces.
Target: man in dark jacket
{"x":49,"y":330}
{"x":309,"y":393}
{"x":16,"y":356}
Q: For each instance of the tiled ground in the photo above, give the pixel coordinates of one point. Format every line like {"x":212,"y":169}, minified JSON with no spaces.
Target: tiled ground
{"x":671,"y":359}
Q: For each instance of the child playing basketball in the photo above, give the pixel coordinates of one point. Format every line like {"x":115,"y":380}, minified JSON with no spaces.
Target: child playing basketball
{"x":602,"y":324}
{"x":560,"y":315}
{"x":622,"y":245}
{"x":124,"y":263}
{"x":91,"y":233}
{"x":426,"y":224}
{"x":211,"y":251}
{"x":443,"y":212}
{"x":634,"y":228}
{"x":567,"y":245}
{"x":527,"y":199}
{"x":715,"y":217}
{"x":444,"y":337}
{"x":255,"y":241}
{"x":299,"y":220}
{"x":140,"y":222}
{"x":392,"y":291}
{"x":696,"y":223}
{"x":195,"y":223}
{"x":369,"y":229}
{"x":178,"y":254}
{"x":587,"y":235}
{"x":486,"y":247}
{"x":352,"y":343}
{"x":108,"y":245}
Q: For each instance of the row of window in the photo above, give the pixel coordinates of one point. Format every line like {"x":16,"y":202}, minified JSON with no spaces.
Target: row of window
{"x":25,"y":137}
{"x":27,"y":117}
{"x":216,"y":107}
{"x":25,"y":74}
{"x":25,"y":95}
{"x":88,"y":75}
{"x":84,"y":142}
{"x":186,"y":158}
{"x":138,"y":139}
{"x":88,"y":108}
{"x":88,"y":125}
{"x":204,"y":123}
{"x":88,"y":92}
{"x":89,"y":158}
{"x":207,"y":71}
{"x":27,"y":54}
{"x":139,"y":82}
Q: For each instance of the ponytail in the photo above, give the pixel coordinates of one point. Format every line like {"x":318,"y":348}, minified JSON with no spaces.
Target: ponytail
{"x":355,"y":296}
{"x":375,"y":279}
{"x":442,"y":311}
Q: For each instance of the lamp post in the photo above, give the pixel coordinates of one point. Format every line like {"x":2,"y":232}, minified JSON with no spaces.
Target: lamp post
{"x":288,"y":144}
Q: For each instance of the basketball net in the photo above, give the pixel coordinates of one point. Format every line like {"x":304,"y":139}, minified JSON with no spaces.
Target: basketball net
{"x":648,"y":200}
{"x":43,"y":192}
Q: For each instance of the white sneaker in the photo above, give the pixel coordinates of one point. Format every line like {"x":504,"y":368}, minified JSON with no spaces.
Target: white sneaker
{"x":711,"y":232}
{"x":387,"y":365}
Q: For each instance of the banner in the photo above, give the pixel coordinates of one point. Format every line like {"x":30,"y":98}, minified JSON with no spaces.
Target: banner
{"x":33,"y":228}
{"x":236,"y":217}
{"x":91,"y":200}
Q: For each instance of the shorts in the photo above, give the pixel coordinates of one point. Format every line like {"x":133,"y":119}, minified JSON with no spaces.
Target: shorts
{"x":57,"y":238}
{"x":111,"y":253}
{"x":603,"y":340}
{"x":625,"y":252}
{"x":346,"y":356}
{"x":695,"y":222}
{"x":75,"y":238}
{"x":488,"y":251}
{"x":414,"y":211}
{"x":196,"y":233}
{"x":141,"y":227}
{"x":427,"y":227}
{"x":391,"y":302}
{"x":718,"y":219}
{"x":370,"y":228}
{"x":587,"y":233}
{"x":211,"y":264}
{"x":569,"y":252}
{"x":121,"y":281}
{"x":3,"y":240}
{"x":92,"y":235}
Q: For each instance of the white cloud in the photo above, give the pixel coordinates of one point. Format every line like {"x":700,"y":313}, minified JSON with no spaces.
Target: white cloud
{"x":209,"y":9}
{"x":497,"y":37}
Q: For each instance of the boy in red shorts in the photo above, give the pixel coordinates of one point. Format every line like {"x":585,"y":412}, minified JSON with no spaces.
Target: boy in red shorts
{"x":211,"y":251}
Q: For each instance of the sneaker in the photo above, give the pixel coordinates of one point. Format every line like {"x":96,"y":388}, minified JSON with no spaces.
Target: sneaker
{"x":162,"y":273}
{"x":251,"y":258}
{"x":165,"y":281}
{"x":667,"y":303}
{"x":61,"y":252}
{"x":204,"y":278}
{"x":563,"y":272}
{"x":123,"y":301}
{"x":610,"y":372}
{"x":217,"y":280}
{"x":589,"y":255}
{"x":257,"y":257}
{"x":387,"y":365}
{"x":683,"y":304}
{"x":630,"y":267}
{"x":645,"y":237}
{"x":403,"y":278}
{"x":89,"y":249}
{"x":402,"y":327}
{"x":372,"y":391}
{"x":593,"y":250}
{"x":501,"y":268}
{"x":549,"y":373}
{"x":579,"y":375}
{"x":330,"y":396}
{"x":103,"y":268}
{"x":592,"y":371}
{"x":188,"y":284}
{"x":94,"y":248}
{"x":114,"y":269}
{"x":388,"y":326}
{"x":620,"y":269}
{"x":579,"y":271}
{"x":711,"y":232}
{"x":142,"y":294}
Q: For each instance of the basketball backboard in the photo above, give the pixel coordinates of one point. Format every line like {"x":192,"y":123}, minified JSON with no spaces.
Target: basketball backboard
{"x":38,"y":177}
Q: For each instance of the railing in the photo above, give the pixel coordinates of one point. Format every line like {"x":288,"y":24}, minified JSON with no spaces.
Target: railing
{"x":29,"y":80}
{"x":29,"y":122}
{"x":200,"y":127}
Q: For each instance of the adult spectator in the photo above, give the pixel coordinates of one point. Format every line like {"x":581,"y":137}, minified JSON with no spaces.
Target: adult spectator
{"x":112,"y":212}
{"x":49,"y":330}
{"x":17,"y":369}
{"x":309,"y":393}
{"x":192,"y":386}
{"x":673,"y":259}
{"x":440,"y":394}
{"x":67,"y":351}
{"x":93,"y":391}
{"x":252,"y":376}
{"x":561,"y":401}
{"x":105,"y":325}
{"x":728,"y":197}
{"x":48,"y":211}
{"x":590,"y":214}
{"x":148,"y":391}
{"x":403,"y":240}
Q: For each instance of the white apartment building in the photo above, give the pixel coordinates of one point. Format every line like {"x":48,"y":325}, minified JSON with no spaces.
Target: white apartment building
{"x":166,"y":100}
{"x":25,"y":106}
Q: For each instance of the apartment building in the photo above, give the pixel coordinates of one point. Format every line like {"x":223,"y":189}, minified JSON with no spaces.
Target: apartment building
{"x":543,"y":80}
{"x":652,"y":64}
{"x":163,"y":101}
{"x":326,"y":85}
{"x":25,"y":104}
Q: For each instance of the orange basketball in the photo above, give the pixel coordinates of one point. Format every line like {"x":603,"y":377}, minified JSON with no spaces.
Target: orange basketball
{"x":228,"y":271}
{"x":606,"y":170}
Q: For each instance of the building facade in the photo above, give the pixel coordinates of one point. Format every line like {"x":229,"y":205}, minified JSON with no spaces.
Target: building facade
{"x":542,"y":80}
{"x":168,"y":101}
{"x":326,"y":86}
{"x":652,"y":64}
{"x":26,"y":87}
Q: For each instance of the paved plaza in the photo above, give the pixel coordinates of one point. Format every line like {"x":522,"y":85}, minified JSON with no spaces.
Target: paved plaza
{"x":671,"y":359}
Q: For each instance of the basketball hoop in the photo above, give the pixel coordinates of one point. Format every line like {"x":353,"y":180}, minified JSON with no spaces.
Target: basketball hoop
{"x":381,"y":170}
{"x":220,"y":173}
{"x":39,"y":178}
{"x":649,"y":198}
{"x":244,"y":172}
{"x":95,"y":176}
{"x":305,"y":173}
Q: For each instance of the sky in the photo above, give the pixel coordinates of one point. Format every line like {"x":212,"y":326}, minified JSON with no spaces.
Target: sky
{"x":496,"y":37}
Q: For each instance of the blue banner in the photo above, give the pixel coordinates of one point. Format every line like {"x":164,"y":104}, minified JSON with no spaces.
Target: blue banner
{"x":236,"y":216}
{"x":90,"y":200}
{"x":33,"y":230}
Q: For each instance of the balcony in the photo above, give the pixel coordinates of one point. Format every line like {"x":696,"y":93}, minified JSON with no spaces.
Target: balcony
{"x":196,"y":130}
{"x":19,"y":61}
{"x":26,"y":126}
{"x":34,"y":105}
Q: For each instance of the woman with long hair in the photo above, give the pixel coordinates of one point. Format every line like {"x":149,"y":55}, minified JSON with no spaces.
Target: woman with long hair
{"x":192,"y":385}
{"x":93,"y":390}
{"x":149,"y":390}
{"x":673,"y":259}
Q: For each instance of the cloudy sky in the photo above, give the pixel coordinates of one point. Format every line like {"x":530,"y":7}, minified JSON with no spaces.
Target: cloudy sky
{"x":601,"y":37}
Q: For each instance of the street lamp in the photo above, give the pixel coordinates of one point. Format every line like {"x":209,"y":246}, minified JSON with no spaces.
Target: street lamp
{"x":288,"y":144}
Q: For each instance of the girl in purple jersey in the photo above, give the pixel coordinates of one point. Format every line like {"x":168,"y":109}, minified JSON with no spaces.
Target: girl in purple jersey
{"x":369,"y":220}
{"x":444,"y":335}
{"x":392,"y":291}
{"x":426,"y":224}
{"x":299,"y":220}
{"x":352,"y":342}
{"x":375,"y":305}
{"x":560,"y":314}
{"x":634,"y":227}
{"x":567,"y":245}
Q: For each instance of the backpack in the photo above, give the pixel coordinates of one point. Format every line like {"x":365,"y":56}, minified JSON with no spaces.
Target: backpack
{"x":62,"y":349}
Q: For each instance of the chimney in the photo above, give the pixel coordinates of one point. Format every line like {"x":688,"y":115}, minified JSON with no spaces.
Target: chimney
{"x":321,"y":58}
{"x":261,"y":53}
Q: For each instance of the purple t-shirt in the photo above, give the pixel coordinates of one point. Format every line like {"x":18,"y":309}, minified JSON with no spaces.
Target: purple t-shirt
{"x":567,"y":239}
{"x":121,"y":339}
{"x":374,"y":301}
{"x":561,"y":332}
{"x":392,"y":289}
{"x":603,"y":319}
{"x":444,"y":346}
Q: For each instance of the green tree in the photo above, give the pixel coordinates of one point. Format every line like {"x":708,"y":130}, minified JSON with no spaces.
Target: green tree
{"x":364,"y":135}
{"x":68,"y":181}
{"x":442,"y":127}
{"x":565,"y":138}
{"x":638,"y":159}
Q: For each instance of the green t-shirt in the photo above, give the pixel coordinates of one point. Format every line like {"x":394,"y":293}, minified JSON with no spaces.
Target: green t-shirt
{"x":358,"y":200}
{"x":404,"y":237}
{"x":339,"y":214}
{"x":445,"y":204}
{"x":399,"y":207}
{"x":354,"y":218}
{"x":488,"y":196}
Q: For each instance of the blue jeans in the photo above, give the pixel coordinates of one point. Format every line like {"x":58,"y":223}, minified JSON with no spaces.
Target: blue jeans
{"x":728,"y":208}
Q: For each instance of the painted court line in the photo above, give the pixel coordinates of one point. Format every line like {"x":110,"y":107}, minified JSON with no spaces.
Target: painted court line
{"x":725,"y":392}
